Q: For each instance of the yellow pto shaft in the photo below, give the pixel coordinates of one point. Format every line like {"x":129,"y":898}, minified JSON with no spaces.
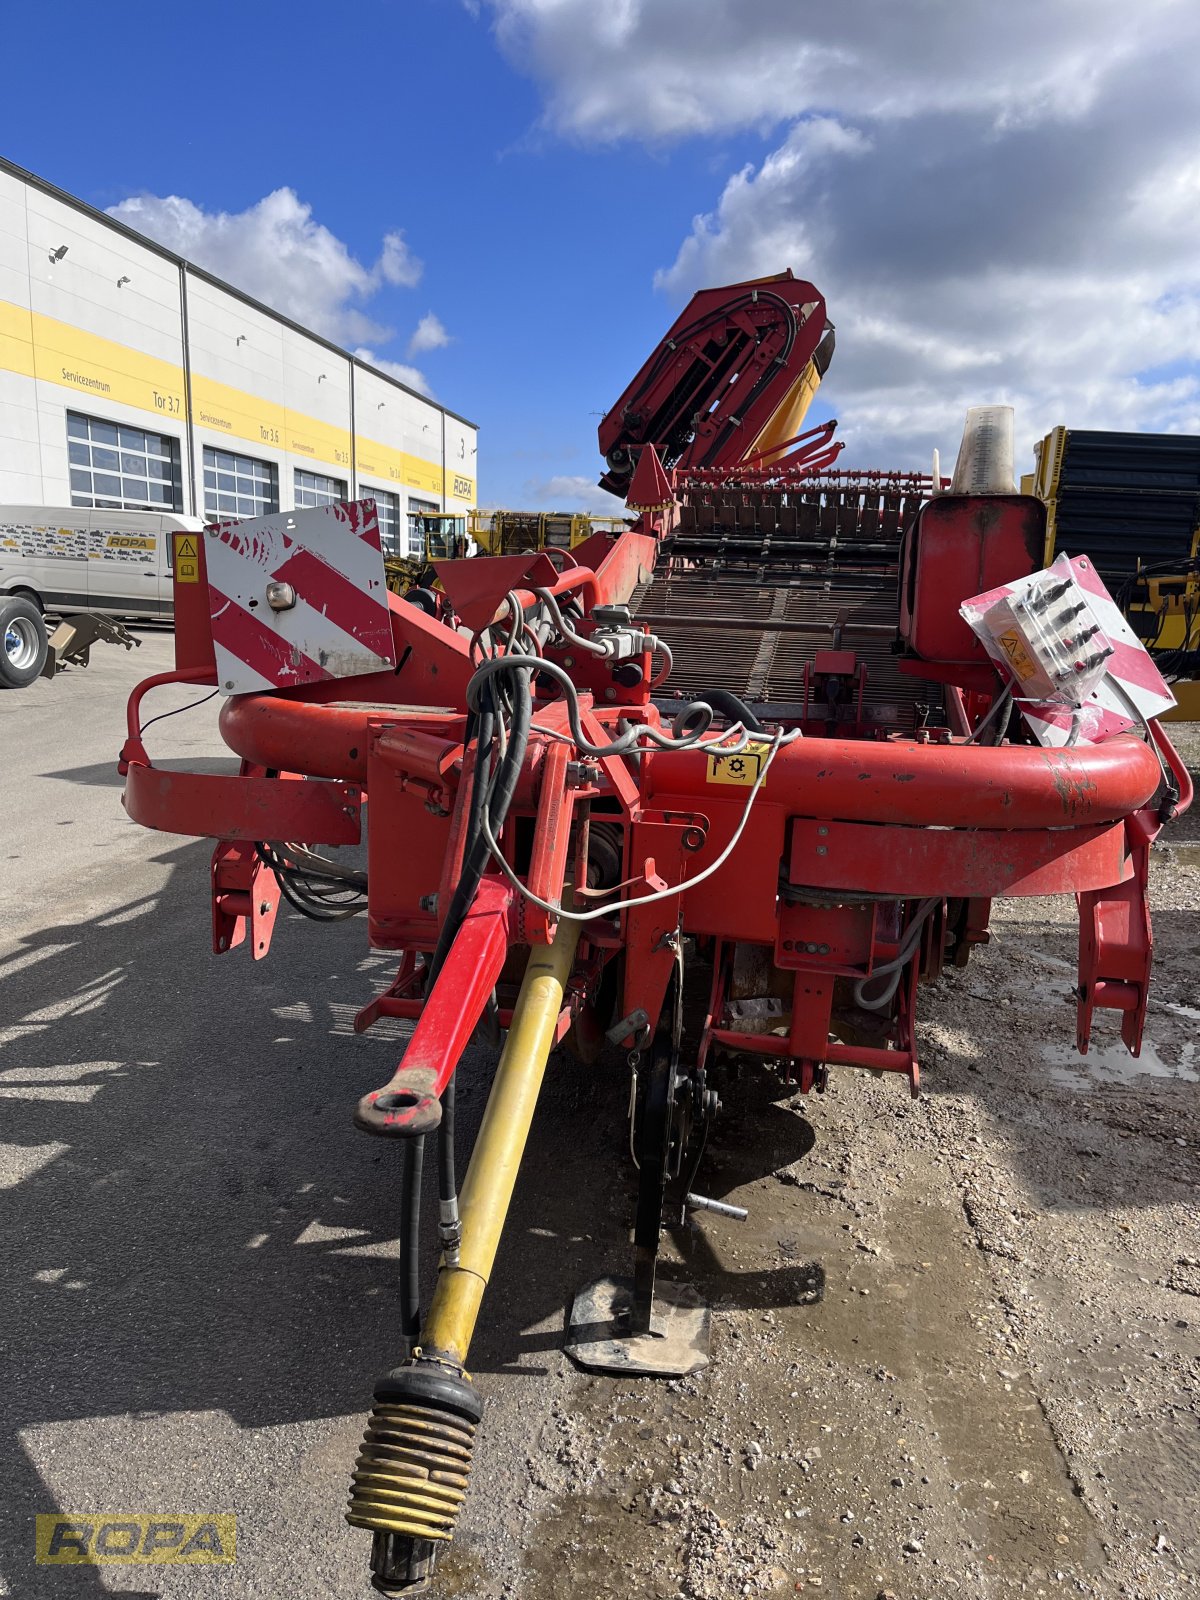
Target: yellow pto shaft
{"x":491,"y":1178}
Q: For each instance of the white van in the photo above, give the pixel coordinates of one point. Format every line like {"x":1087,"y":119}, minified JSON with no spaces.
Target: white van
{"x":73,"y":559}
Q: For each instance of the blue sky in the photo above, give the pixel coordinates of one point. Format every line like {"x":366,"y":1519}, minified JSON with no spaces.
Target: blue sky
{"x":988,"y":221}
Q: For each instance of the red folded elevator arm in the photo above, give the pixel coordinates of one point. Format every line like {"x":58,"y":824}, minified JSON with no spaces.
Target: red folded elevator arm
{"x":733,"y":376}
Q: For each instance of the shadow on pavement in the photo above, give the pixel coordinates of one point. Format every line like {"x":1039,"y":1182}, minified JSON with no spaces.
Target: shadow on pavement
{"x":104,"y":774}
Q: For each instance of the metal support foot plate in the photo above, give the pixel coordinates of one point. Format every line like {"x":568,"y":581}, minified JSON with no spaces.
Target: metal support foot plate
{"x":600,"y":1336}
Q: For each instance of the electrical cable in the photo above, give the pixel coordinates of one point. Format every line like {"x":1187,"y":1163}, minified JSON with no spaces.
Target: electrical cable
{"x":1171,"y":798}
{"x":999,"y":705}
{"x":894,"y":969}
{"x":663,"y":649}
{"x":669,"y":893}
{"x":564,"y":628}
{"x":312,"y":891}
{"x":162,"y":715}
{"x":657,"y":646}
{"x":622,"y":746}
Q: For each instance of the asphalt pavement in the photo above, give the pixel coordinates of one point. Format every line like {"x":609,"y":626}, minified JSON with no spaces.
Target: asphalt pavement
{"x":953,"y":1345}
{"x":199,"y":1249}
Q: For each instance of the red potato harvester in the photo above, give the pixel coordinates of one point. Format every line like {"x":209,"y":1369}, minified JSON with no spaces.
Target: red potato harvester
{"x":730,"y":782}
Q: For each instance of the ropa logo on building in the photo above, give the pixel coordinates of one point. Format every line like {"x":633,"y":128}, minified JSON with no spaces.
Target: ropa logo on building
{"x":99,"y":1538}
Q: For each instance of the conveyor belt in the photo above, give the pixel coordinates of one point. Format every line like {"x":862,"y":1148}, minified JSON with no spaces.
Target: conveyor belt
{"x":754,"y":638}
{"x":752,"y":582}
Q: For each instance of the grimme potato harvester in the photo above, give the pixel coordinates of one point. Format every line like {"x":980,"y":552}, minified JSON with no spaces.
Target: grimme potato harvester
{"x":727,"y":782}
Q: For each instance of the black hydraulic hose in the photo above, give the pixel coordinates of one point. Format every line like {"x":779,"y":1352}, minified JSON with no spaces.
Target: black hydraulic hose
{"x":729,"y":705}
{"x":410,"y":1223}
{"x":481,"y":727}
{"x":447,"y":1176}
{"x":475,"y":850}
{"x":514,"y":756}
{"x":496,"y":797}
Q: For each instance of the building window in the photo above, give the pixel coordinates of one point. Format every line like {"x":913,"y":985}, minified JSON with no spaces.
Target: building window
{"x":418,"y":528}
{"x":122,"y":468}
{"x":238,"y":486}
{"x":312,"y":489}
{"x":388,"y":507}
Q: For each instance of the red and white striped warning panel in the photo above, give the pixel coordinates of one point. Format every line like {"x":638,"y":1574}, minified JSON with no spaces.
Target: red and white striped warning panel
{"x":298,"y":597}
{"x":1060,"y":629}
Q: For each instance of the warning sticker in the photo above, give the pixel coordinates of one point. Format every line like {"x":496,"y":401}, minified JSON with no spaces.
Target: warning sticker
{"x":742,"y":768}
{"x":1017,"y":655}
{"x":187,"y":558}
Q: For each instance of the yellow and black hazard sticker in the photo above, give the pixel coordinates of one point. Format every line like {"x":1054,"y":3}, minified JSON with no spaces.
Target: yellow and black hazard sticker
{"x":742,"y":768}
{"x":1017,"y":654}
{"x":187,"y":558}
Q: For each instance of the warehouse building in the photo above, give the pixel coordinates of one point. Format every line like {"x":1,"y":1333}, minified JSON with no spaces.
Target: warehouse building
{"x":131,"y":379}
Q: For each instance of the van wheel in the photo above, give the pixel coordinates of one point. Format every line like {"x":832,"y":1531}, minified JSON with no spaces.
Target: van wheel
{"x":23,"y":652}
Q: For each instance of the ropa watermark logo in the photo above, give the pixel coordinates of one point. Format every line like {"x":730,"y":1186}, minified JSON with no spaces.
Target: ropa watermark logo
{"x":100,"y":1538}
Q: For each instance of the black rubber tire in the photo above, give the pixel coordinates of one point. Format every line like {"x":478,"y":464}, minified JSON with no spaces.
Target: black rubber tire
{"x":23,"y":642}
{"x":425,"y":599}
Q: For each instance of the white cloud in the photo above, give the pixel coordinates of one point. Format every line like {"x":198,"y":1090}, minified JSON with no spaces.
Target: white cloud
{"x":664,"y":69}
{"x":430,"y":335}
{"x":276,"y":252}
{"x":400,"y":370}
{"x":570,"y":492}
{"x":999,"y":203}
{"x":397,"y":265}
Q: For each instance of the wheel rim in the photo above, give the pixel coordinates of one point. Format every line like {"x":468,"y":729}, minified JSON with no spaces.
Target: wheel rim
{"x":21,"y":643}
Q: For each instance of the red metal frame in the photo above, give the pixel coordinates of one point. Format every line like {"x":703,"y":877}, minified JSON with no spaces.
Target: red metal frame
{"x":848,"y":833}
{"x":847,"y":816}
{"x":724,"y":371}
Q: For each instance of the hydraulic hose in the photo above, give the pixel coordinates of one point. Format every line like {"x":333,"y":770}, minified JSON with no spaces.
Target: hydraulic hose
{"x":410,"y":1221}
{"x":729,"y":705}
{"x":493,"y":799}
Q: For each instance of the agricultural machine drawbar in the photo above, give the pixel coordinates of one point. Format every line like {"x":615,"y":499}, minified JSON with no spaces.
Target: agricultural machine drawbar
{"x":728,"y":782}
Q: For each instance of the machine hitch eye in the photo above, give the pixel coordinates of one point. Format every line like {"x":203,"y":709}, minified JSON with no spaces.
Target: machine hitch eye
{"x":398,"y":1113}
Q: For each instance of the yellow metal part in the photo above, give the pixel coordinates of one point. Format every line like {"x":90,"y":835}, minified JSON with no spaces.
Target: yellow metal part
{"x":1187,"y":708}
{"x":784,"y":422}
{"x":443,"y":536}
{"x":1048,"y":453}
{"x":401,"y":572}
{"x":411,"y":1473}
{"x":492,"y":1175}
{"x":506,"y":533}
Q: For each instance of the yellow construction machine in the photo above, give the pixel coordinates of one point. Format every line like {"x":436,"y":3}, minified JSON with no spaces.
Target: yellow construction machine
{"x":1131,"y":501}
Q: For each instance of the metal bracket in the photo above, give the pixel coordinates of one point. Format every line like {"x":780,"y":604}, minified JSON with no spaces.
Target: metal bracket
{"x":600,"y":1336}
{"x":637,"y":1024}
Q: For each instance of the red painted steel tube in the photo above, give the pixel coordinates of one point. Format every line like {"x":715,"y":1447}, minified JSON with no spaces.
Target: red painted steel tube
{"x":405,"y":748}
{"x":208,"y":805}
{"x":573,"y":578}
{"x":953,"y":785}
{"x":409,"y":1103}
{"x":134,"y":749}
{"x":324,"y":740}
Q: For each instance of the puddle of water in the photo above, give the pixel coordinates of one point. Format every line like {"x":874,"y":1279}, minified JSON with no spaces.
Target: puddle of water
{"x":1112,"y":1063}
{"x":1184,"y":855}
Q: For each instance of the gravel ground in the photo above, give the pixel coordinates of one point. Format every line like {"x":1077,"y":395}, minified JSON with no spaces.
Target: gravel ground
{"x":954,"y":1346}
